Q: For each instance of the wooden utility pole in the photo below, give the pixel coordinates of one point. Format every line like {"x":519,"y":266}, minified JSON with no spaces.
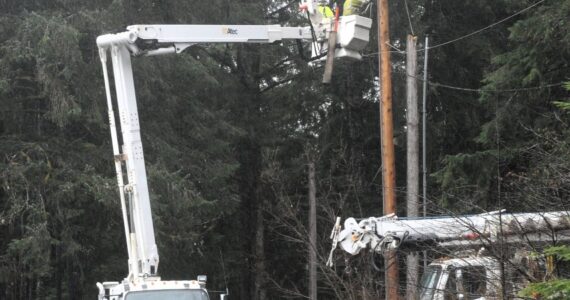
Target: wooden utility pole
{"x":412,"y":159}
{"x":387,"y":140}
{"x":312,"y":233}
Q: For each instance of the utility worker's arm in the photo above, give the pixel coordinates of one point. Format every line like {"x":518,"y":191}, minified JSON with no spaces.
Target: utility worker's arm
{"x":351,"y":7}
{"x":347,"y":7}
{"x":326,"y":11}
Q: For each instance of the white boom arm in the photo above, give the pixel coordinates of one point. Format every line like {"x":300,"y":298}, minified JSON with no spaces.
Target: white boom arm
{"x":390,"y":232}
{"x":163,"y":39}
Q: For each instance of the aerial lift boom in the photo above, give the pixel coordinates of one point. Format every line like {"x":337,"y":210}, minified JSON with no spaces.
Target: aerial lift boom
{"x":390,"y":232}
{"x":150,"y":40}
{"x":488,"y":256}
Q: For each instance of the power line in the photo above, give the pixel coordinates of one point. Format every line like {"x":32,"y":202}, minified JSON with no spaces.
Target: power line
{"x":448,"y":86}
{"x":488,"y":27}
{"x":465,"y":89}
{"x":469,"y":34}
{"x":409,"y":18}
{"x":495,"y":91}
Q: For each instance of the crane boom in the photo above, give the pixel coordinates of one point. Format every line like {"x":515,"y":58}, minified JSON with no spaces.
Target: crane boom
{"x":157,"y":40}
{"x":390,"y":232}
{"x":150,"y":40}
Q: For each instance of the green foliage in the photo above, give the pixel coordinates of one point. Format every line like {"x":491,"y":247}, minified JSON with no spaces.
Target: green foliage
{"x":466,"y":177}
{"x":552,"y":289}
{"x":563,"y":105}
{"x":58,"y":190}
{"x":520,"y":127}
{"x":48,"y":200}
{"x":562,"y":252}
{"x":50,"y":46}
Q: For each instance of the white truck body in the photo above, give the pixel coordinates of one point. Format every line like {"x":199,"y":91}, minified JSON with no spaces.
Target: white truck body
{"x":488,"y":237}
{"x":479,"y":276}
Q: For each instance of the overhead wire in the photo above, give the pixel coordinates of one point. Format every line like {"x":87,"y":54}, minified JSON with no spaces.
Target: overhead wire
{"x":469,"y":34}
{"x":466,"y":89}
{"x":452,"y":87}
{"x":479,"y":90}
{"x":313,"y":34}
{"x":487,"y":27}
{"x":513,"y":90}
{"x":409,"y":18}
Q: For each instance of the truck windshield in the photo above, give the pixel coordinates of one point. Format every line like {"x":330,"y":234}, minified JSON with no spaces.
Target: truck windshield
{"x":168,"y":295}
{"x":429,"y":281}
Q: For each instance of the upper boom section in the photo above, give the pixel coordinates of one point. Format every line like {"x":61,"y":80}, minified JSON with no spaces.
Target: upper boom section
{"x":164,"y":39}
{"x":219,"y":33}
{"x":140,"y":38}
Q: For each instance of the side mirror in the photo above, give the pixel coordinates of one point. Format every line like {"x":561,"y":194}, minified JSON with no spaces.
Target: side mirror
{"x":225,"y":296}
{"x":459,"y":276}
{"x":202,"y":278}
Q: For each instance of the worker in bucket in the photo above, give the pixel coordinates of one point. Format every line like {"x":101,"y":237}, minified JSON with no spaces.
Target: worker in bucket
{"x":347,"y":7}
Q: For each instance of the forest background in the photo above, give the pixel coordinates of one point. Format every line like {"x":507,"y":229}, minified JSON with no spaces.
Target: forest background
{"x":228,"y":132}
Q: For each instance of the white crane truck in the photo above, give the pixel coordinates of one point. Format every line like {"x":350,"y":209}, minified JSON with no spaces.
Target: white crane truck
{"x":488,"y":256}
{"x":142,"y":281}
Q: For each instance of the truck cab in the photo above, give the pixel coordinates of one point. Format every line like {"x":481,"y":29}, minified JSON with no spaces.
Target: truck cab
{"x":467,"y":278}
{"x":478,"y":276}
{"x":168,"y":295}
{"x":155,"y":288}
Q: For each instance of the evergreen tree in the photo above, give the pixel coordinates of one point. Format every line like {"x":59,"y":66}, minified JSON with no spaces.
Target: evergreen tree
{"x":524,"y":133}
